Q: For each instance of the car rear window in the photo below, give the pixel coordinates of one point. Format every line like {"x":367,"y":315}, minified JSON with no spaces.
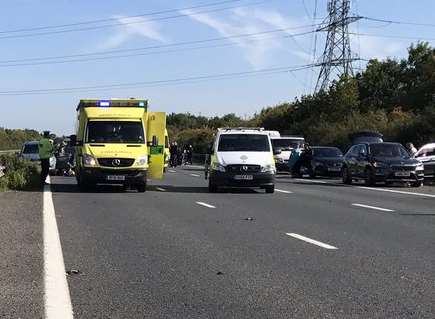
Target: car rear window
{"x":31,"y":149}
{"x":243,"y":143}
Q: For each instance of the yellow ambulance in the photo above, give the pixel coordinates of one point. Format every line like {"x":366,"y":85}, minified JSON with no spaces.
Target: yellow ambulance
{"x":118,"y":141}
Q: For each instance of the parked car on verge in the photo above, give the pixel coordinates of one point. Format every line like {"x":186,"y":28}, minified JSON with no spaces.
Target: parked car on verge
{"x":30,"y":151}
{"x":426,"y":155}
{"x":381,"y":162}
{"x":282,"y":147}
{"x":242,"y":157}
{"x":327,"y":161}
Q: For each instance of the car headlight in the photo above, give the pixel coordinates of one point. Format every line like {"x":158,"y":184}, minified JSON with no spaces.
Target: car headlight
{"x":269,"y":168}
{"x":89,"y":160}
{"x":142,"y":160}
{"x":316,"y":163}
{"x":420,"y":167}
{"x":218,"y":167}
{"x":380,"y":165}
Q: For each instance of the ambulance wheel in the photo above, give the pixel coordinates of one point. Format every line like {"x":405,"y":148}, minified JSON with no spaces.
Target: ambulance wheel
{"x":270,"y":189}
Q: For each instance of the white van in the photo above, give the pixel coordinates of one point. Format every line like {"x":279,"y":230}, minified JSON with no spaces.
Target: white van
{"x":242,"y":157}
{"x":282,"y":148}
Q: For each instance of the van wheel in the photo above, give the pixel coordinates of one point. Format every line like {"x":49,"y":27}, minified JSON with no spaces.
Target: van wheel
{"x":346,"y":176}
{"x":270,"y":189}
{"x":416,"y":184}
{"x":212,"y":188}
{"x":369,"y":177}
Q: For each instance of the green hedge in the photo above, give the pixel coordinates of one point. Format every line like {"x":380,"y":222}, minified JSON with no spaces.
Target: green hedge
{"x":19,"y":174}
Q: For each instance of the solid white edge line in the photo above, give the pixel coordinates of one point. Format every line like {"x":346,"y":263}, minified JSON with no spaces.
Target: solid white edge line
{"x":195,"y":175}
{"x":373,"y":207}
{"x":161,"y":189}
{"x":283,"y":191}
{"x":171,"y":171}
{"x":57,"y":300}
{"x":398,"y":192}
{"x":310,"y":181}
{"x":205,"y":204}
{"x":311,"y":241}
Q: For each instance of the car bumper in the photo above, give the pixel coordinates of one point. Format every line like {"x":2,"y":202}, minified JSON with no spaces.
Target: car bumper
{"x":282,"y":166}
{"x":125,"y":177}
{"x":224,"y":179}
{"x":390,"y":177}
{"x":328,"y":171}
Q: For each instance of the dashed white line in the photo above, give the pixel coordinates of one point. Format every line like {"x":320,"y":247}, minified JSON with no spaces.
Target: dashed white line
{"x":171,"y":171}
{"x":373,"y":207}
{"x":311,"y":181}
{"x":398,"y":192}
{"x":205,"y":205}
{"x":311,"y":241}
{"x":283,"y":191}
{"x":161,"y":189}
{"x":57,"y":300}
{"x":195,"y":175}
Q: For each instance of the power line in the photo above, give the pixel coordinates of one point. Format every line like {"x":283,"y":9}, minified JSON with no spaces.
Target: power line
{"x":53,"y":59}
{"x":393,"y":36}
{"x":182,"y":80}
{"x":399,"y":22}
{"x":58,"y":26}
{"x":129,"y":23}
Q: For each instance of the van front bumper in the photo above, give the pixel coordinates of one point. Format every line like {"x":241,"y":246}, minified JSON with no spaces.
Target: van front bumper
{"x":226,"y":179}
{"x":106,"y":176}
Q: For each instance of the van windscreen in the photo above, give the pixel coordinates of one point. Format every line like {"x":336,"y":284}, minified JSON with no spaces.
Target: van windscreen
{"x":243,"y":143}
{"x":115,"y":132}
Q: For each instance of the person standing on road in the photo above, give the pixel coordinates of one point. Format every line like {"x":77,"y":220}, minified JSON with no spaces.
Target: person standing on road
{"x":304,"y":160}
{"x":173,"y":150}
{"x":411,"y":149}
{"x":45,"y":153}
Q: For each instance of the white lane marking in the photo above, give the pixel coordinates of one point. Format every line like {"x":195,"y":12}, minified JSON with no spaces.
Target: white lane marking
{"x":57,"y":300}
{"x":311,"y":181}
{"x":205,"y":205}
{"x":373,"y":207}
{"x":172,"y":171}
{"x":195,"y":175}
{"x":283,"y":191}
{"x":398,"y":192}
{"x":161,"y":189}
{"x":311,"y":241}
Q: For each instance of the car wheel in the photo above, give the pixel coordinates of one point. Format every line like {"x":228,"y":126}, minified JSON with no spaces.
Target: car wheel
{"x":346,"y":176}
{"x":369,"y":177}
{"x":417,"y":184}
{"x":270,"y":189}
{"x":141,"y":188}
{"x":312,"y":172}
{"x":212,"y":188}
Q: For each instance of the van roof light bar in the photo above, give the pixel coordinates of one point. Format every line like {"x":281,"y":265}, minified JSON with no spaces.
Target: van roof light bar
{"x":113,"y":103}
{"x":241,"y":129}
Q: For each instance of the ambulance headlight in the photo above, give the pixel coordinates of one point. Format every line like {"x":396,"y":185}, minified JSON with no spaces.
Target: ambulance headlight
{"x":142,"y":160}
{"x":89,"y":160}
{"x":218,"y":167}
{"x":269,"y":168}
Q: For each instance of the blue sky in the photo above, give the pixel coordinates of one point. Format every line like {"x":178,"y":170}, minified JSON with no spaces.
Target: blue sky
{"x":243,"y":96}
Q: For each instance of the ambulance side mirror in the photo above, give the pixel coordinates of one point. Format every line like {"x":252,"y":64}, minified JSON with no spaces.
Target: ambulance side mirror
{"x":72,"y":140}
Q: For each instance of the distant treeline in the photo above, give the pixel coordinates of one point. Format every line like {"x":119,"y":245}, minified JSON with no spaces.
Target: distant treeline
{"x":393,"y":97}
{"x":11,"y":139}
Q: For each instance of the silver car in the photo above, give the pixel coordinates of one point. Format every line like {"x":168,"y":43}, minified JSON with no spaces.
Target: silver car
{"x":30,"y":152}
{"x":426,"y":155}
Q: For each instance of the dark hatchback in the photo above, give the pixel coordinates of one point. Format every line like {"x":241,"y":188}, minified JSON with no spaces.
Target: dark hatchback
{"x":327,"y":161}
{"x":381,"y":162}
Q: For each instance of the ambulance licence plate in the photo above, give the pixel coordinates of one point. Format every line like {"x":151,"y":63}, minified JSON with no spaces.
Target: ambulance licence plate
{"x":115,"y":178}
{"x":244,"y":177}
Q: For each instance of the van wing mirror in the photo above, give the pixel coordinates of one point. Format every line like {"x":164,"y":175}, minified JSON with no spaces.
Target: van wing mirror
{"x":73,"y":140}
{"x":277,"y":151}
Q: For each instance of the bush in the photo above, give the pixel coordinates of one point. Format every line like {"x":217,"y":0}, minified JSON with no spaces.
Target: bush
{"x":19,"y":174}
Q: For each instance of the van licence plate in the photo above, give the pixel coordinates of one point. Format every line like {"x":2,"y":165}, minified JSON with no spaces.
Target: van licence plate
{"x":402,"y":174}
{"x":244,"y":177}
{"x":115,"y":178}
{"x":334,"y":169}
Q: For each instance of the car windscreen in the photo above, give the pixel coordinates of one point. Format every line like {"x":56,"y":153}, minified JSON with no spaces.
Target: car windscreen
{"x":286,"y":143}
{"x":388,"y":151}
{"x":327,"y":152}
{"x":115,"y":132}
{"x":30,"y":149}
{"x":243,"y":143}
{"x":429,"y":151}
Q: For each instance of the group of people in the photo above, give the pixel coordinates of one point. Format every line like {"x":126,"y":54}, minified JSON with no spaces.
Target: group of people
{"x":300,"y":156}
{"x":180,"y":155}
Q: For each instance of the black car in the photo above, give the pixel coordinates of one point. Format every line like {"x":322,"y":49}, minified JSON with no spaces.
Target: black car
{"x":327,"y":161}
{"x":381,"y":162}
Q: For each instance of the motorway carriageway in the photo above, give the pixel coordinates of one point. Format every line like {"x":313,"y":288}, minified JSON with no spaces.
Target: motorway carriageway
{"x":314,"y":249}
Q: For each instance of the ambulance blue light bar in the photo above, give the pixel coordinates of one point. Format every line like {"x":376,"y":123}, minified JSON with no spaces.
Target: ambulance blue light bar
{"x":113,"y":103}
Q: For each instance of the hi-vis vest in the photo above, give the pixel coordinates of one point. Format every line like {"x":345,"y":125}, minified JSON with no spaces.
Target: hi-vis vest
{"x":45,"y":148}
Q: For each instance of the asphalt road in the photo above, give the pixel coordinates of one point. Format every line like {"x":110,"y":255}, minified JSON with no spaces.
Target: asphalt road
{"x":314,"y":249}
